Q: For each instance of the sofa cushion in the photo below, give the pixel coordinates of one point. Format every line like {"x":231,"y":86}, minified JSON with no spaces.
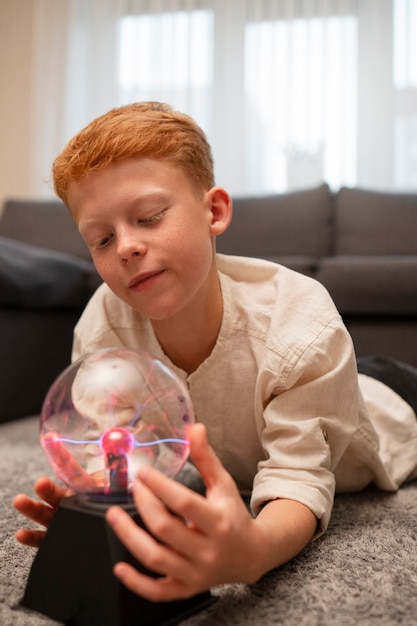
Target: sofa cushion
{"x":298,"y":223}
{"x":43,"y":223}
{"x":39,"y":278}
{"x":394,"y":337}
{"x":371,"y":285}
{"x":375,"y":223}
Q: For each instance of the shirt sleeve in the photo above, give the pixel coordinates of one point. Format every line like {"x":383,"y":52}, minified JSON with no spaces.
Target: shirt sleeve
{"x":309,"y":418}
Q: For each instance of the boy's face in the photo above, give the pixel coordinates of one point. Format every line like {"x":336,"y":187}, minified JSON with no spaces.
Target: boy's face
{"x":149,"y":233}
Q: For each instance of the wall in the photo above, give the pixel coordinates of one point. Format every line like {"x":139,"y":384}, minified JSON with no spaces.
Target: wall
{"x":15,"y":103}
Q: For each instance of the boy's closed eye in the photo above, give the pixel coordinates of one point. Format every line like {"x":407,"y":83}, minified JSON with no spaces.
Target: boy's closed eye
{"x":153,"y":219}
{"x":103,"y":242}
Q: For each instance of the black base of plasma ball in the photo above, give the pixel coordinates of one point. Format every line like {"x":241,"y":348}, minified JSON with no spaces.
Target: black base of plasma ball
{"x":71,"y":579}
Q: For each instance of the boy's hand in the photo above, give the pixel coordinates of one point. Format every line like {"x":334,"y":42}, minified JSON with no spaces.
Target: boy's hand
{"x":50,"y":492}
{"x":203,"y":541}
{"x":51,"y":495}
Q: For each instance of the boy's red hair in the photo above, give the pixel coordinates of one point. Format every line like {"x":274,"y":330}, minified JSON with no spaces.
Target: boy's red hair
{"x":143,"y":129}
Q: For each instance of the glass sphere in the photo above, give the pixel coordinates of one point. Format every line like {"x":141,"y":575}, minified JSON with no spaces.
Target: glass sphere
{"x":111,"y":412}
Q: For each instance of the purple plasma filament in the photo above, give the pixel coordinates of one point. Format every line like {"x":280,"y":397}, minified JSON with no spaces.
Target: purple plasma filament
{"x":117,"y":444}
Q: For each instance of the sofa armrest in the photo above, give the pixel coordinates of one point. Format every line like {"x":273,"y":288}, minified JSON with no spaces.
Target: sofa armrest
{"x":42,"y":294}
{"x":38,"y":278}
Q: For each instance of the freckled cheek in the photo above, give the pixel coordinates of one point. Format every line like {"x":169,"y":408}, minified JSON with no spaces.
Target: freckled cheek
{"x":105,"y":268}
{"x":172,"y":238}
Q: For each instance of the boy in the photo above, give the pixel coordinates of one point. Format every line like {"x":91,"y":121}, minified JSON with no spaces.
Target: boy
{"x":269,"y":364}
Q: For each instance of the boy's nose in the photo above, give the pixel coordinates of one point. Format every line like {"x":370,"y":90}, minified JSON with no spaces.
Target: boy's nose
{"x":129,"y":246}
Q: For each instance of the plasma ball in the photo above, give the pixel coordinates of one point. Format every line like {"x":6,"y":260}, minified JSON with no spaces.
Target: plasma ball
{"x":117,"y":442}
{"x":109,"y":413}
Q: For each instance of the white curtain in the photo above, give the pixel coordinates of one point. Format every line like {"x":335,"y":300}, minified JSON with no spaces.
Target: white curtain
{"x":290,"y":92}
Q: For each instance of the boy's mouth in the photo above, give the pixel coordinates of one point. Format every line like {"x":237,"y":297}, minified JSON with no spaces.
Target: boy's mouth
{"x":144,"y":280}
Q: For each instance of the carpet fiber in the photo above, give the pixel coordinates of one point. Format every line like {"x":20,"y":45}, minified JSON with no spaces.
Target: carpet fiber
{"x":362,"y":572}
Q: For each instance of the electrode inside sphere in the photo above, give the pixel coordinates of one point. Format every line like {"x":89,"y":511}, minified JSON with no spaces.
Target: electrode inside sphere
{"x":117,"y":441}
{"x":111,"y":412}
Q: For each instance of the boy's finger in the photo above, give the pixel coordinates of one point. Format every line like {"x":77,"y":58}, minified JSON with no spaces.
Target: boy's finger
{"x":154,"y":589}
{"x":30,"y":538}
{"x":49,"y":491}
{"x":206,"y":460}
{"x":172,"y":516}
{"x":177,"y":498}
{"x":143,"y":546}
{"x":34,"y":510}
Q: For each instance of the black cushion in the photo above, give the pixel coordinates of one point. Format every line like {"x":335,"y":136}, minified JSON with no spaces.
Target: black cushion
{"x":39,"y":278}
{"x":35,"y":346}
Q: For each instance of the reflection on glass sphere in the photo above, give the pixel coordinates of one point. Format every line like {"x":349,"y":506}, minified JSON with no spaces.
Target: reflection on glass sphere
{"x":111,"y":412}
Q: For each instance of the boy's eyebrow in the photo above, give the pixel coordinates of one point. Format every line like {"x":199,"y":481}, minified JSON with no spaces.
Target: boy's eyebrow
{"x":150,"y":196}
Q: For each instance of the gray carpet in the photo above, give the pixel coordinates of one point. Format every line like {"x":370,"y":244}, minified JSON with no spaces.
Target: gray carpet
{"x":362,"y":572}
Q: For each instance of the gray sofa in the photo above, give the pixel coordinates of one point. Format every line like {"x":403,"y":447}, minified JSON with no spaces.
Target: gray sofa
{"x":361,"y":245}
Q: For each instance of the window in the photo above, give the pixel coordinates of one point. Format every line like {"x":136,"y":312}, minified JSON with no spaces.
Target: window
{"x":297,"y":93}
{"x":405,"y":93}
{"x":290,"y":93}
{"x":301,"y":101}
{"x":168,"y":57}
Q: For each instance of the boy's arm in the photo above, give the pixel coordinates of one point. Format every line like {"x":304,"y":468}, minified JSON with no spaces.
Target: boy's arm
{"x":199,"y":542}
{"x":290,"y":526}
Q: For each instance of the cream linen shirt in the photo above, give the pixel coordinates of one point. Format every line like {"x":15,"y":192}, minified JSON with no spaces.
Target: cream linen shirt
{"x":279,"y":393}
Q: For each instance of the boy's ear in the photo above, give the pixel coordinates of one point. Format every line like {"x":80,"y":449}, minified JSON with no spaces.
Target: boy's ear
{"x":220,"y":204}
